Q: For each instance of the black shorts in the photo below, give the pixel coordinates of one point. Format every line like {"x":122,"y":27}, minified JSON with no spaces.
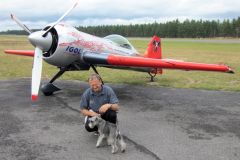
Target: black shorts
{"x":110,"y":116}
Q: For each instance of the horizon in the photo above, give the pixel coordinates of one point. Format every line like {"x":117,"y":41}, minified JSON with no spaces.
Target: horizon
{"x":221,"y":21}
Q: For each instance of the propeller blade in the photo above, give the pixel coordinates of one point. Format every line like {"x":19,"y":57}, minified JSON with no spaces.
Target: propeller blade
{"x":66,"y":13}
{"x":23,"y":26}
{"x":36,"y":73}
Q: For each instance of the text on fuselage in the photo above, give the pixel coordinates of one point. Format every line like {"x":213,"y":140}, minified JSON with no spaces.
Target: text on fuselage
{"x":73,"y":50}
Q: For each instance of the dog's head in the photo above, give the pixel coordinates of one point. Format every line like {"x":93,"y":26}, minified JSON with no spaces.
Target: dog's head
{"x":94,"y":121}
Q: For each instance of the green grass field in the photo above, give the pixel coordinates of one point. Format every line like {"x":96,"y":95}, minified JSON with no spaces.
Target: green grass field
{"x":12,"y":67}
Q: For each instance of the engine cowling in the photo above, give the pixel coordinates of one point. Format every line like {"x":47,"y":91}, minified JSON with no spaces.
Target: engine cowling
{"x":64,"y":49}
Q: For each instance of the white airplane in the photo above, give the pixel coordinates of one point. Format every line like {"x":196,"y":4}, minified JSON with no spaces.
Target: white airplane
{"x":67,"y":48}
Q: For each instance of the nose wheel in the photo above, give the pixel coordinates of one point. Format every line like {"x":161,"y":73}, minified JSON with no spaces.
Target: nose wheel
{"x":48,"y":89}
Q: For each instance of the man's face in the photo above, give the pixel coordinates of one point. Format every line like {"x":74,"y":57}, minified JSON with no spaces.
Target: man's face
{"x":95,"y":85}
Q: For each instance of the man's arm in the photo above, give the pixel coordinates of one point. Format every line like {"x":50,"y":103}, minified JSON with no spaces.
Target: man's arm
{"x":88,"y":113}
{"x":84,"y":103}
{"x":107,"y":106}
{"x":114,"y":107}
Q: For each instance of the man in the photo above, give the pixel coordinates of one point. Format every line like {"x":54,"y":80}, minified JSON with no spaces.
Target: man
{"x":99,"y":100}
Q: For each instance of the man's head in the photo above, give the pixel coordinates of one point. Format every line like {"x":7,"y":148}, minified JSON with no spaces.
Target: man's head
{"x":95,"y":82}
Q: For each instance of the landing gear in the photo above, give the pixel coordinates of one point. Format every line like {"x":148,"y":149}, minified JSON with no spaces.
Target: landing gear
{"x":152,"y":75}
{"x":154,"y":72}
{"x":49,"y":88}
{"x":95,"y":70}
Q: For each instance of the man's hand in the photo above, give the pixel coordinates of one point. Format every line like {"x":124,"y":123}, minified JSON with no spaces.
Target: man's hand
{"x":94,"y":114}
{"x":88,"y":113}
{"x":104,"y":108}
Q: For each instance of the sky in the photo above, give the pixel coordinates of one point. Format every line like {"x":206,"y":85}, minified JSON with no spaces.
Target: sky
{"x":37,"y":14}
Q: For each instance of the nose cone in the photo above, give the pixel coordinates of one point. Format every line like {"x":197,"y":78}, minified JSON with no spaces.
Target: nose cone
{"x":44,"y":43}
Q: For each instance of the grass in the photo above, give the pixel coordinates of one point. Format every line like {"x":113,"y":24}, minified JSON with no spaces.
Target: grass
{"x":229,"y":53}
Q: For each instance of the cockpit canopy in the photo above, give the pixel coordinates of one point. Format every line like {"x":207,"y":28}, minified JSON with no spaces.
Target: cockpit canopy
{"x":120,"y":41}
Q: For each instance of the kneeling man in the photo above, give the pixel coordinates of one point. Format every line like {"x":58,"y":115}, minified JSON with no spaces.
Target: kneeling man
{"x":99,"y":100}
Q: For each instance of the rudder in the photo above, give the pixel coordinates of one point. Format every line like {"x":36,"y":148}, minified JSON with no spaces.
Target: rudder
{"x":154,"y":49}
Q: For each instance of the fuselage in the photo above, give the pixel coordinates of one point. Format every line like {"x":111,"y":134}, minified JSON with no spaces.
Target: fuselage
{"x":72,"y":43}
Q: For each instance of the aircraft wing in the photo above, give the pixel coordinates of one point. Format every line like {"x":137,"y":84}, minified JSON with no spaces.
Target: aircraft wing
{"x":21,"y":52}
{"x":132,"y":61}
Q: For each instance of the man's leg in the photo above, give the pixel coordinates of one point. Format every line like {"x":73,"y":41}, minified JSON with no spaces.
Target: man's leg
{"x":110,"y":116}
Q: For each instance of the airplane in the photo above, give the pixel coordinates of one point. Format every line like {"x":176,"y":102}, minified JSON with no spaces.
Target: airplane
{"x":65,"y":47}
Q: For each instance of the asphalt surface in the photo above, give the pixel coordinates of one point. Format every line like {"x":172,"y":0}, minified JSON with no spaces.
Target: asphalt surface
{"x":157,"y":123}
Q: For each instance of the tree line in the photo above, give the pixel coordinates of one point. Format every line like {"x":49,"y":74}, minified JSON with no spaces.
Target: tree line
{"x":171,"y":29}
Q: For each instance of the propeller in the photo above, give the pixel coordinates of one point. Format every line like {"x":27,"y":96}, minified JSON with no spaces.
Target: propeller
{"x":42,"y":41}
{"x":36,"y":73}
{"x":66,"y":13}
{"x":23,"y":26}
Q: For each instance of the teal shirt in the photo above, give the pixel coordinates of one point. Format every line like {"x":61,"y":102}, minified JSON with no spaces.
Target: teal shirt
{"x":92,"y":100}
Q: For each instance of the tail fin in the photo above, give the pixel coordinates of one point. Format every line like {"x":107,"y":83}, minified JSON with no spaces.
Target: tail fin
{"x":154,"y":49}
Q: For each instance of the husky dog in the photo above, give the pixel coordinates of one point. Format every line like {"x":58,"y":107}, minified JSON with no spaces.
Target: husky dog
{"x":109,"y":131}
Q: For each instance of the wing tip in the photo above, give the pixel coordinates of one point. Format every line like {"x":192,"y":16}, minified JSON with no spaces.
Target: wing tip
{"x":231,"y":71}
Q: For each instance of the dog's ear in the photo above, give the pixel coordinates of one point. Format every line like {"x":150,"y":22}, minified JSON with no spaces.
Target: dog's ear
{"x":98,"y":117}
{"x":91,"y":119}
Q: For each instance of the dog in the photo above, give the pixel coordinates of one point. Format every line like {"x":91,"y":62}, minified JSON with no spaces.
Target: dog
{"x":110,"y":131}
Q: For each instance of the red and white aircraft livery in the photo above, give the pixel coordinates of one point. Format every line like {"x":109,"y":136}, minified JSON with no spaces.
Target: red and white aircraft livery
{"x":67,"y":48}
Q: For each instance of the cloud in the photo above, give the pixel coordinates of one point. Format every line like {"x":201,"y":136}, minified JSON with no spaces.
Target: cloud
{"x":93,"y":12}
